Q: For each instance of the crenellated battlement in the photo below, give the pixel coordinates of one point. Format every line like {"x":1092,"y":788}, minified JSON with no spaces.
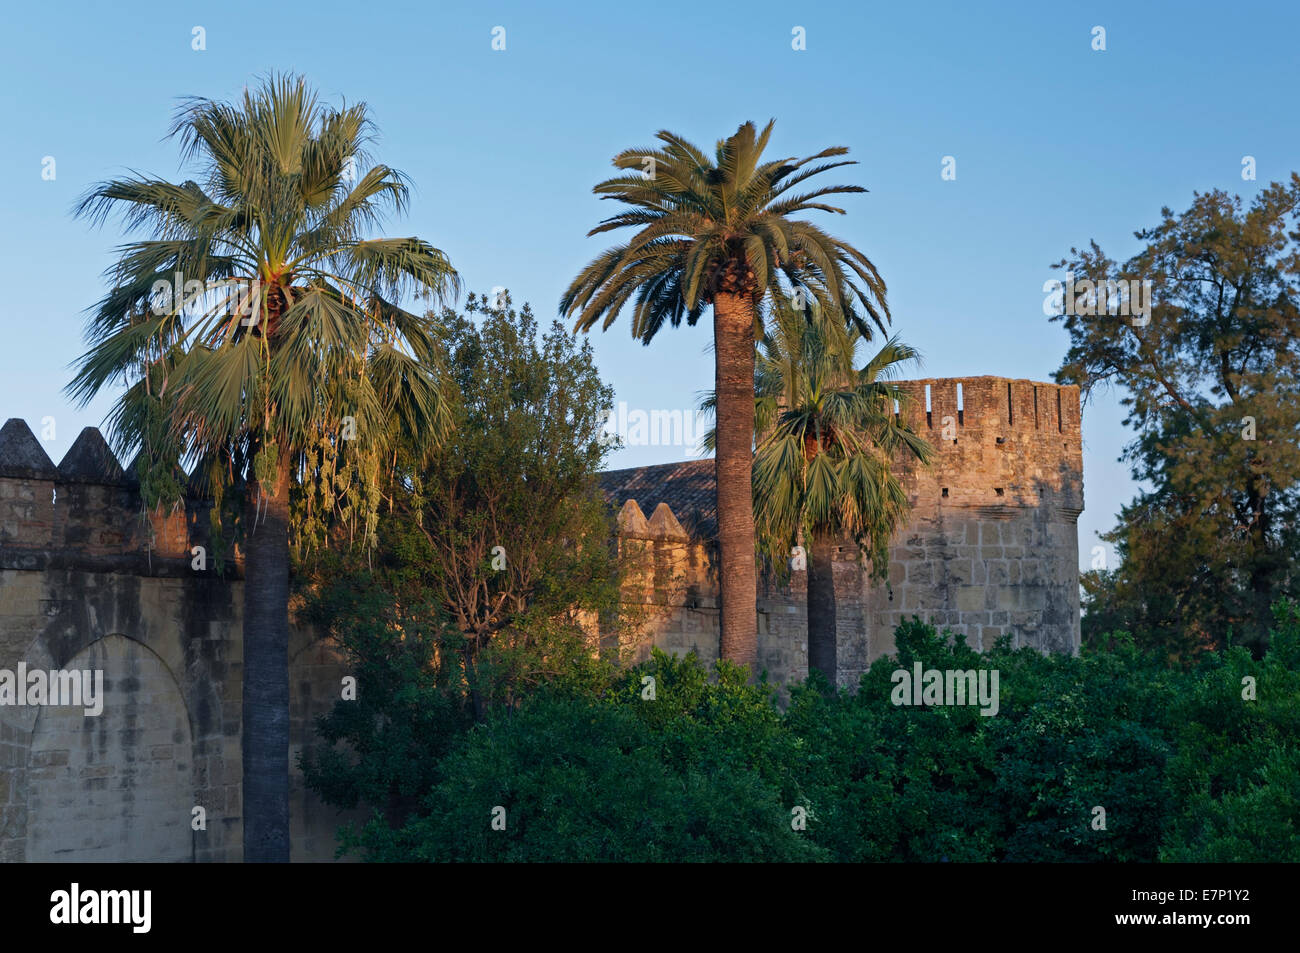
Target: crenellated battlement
{"x":999,"y":442}
{"x":87,"y":513}
{"x":990,"y":547}
{"x":1000,"y":404}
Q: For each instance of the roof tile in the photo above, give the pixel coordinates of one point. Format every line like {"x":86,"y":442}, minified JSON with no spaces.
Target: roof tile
{"x":689,"y":488}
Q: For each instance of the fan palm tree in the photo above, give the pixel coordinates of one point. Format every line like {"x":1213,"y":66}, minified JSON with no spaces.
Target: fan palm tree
{"x":828,"y":444}
{"x":721,"y":232}
{"x":254,"y":324}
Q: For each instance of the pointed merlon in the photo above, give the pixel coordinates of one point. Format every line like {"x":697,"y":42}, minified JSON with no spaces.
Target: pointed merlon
{"x":90,"y":461}
{"x":191,"y":483}
{"x":632,"y":522}
{"x":664,"y":525}
{"x":21,"y":455}
{"x":196,"y":483}
{"x":131,"y":476}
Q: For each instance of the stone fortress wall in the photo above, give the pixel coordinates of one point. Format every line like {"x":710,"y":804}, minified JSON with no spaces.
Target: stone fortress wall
{"x":991,"y":547}
{"x":88,"y":580}
{"x":87,"y":583}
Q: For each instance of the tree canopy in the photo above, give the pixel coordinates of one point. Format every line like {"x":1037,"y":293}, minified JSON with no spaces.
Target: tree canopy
{"x":1211,"y":386}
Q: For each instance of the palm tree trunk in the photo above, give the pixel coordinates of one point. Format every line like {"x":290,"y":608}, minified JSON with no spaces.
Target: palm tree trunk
{"x":266,"y":674}
{"x":822,"y":644}
{"x":733,"y":348}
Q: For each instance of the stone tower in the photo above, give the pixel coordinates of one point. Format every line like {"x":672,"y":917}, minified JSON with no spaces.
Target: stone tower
{"x":991,"y":546}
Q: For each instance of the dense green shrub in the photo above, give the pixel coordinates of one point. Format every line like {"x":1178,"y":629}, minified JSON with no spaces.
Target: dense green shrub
{"x":896,"y":783}
{"x":948,"y":783}
{"x":690,"y":775}
{"x":589,"y":767}
{"x":1236,"y":776}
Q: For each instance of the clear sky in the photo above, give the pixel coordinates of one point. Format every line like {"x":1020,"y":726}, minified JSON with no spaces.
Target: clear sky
{"x":1055,"y":144}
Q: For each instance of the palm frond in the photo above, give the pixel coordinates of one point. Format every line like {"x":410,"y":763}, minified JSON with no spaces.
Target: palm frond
{"x":288,"y":313}
{"x":726,"y":214}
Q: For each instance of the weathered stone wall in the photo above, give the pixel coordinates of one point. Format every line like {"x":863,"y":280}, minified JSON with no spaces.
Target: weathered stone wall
{"x":990,"y":549}
{"x":992,"y":544}
{"x":87,"y":582}
{"x":672,"y":588}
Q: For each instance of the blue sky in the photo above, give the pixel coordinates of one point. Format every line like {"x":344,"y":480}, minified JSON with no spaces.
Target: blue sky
{"x":1055,"y":144}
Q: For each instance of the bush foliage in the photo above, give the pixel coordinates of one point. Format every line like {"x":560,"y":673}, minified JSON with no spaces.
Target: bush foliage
{"x":1186,"y":765}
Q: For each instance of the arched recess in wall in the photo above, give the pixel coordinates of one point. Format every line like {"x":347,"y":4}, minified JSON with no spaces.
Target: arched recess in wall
{"x":118,"y":786}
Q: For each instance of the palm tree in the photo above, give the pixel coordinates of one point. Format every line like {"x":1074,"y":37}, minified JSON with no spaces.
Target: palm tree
{"x":828,"y":438}
{"x":720,"y":232}
{"x":256,"y":327}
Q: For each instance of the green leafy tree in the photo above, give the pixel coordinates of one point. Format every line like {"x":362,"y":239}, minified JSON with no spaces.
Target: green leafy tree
{"x":513,"y":530}
{"x":1211,"y":382}
{"x":722,"y":232}
{"x":258,"y":331}
{"x":494,"y":568}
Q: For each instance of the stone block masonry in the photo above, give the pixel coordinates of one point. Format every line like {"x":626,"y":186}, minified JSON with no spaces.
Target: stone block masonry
{"x":990,"y":549}
{"x":88,"y":580}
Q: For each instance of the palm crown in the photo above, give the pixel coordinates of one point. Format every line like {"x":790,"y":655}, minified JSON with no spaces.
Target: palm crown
{"x":257,"y":313}
{"x":828,"y":436}
{"x":721,"y":225}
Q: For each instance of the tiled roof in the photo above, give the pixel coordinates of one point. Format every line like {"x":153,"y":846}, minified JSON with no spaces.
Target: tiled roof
{"x":688,"y":488}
